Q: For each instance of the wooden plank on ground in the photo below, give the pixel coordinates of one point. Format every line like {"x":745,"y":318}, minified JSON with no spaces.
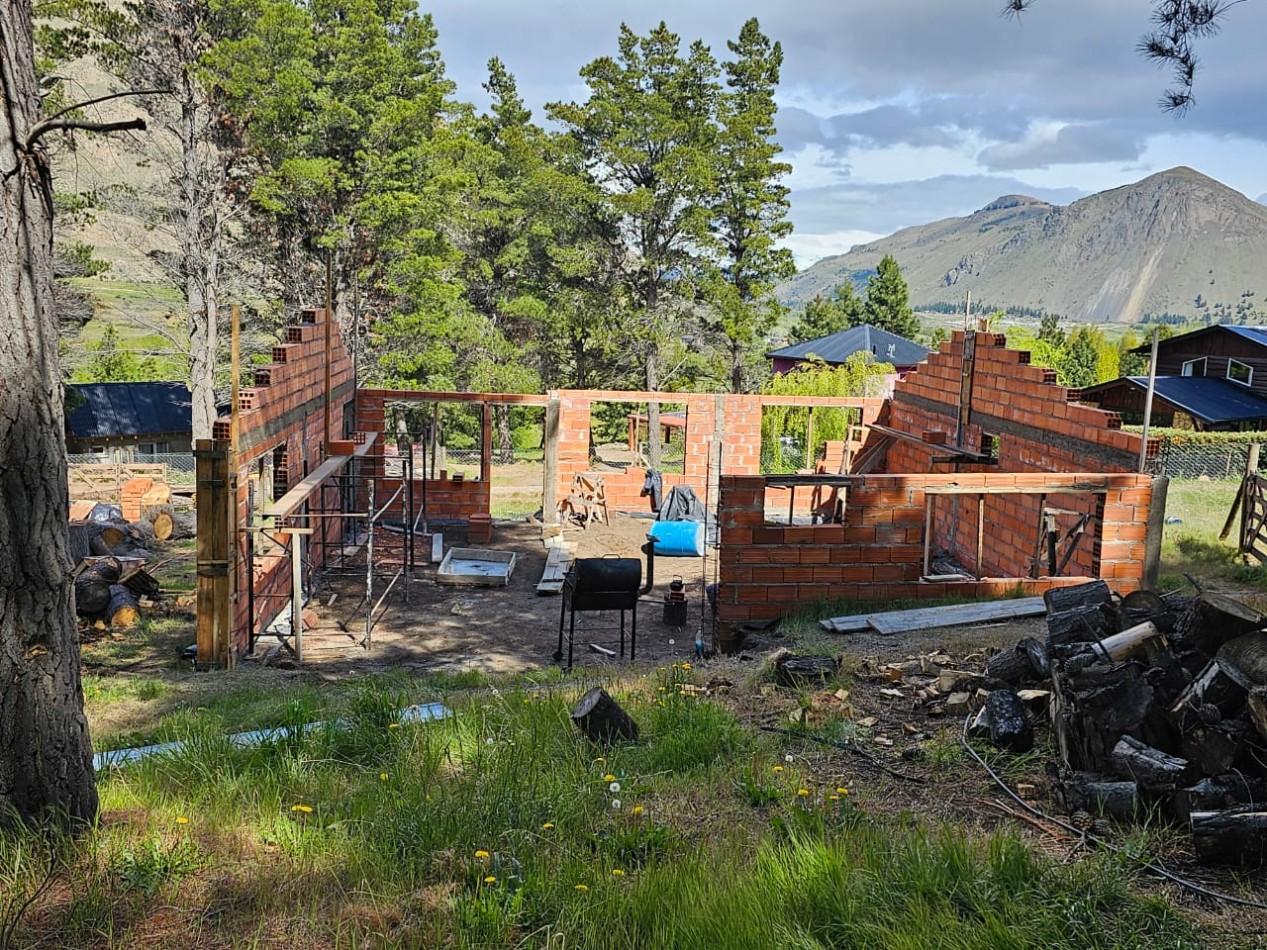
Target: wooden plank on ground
{"x":846,"y":624}
{"x":557,"y":563}
{"x":954,"y":615}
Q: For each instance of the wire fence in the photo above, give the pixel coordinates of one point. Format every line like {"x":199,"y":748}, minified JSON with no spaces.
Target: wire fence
{"x":180,"y":465}
{"x":1216,"y":461}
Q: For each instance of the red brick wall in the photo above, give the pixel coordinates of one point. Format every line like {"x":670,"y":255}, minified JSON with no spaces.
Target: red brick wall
{"x":286,"y":408}
{"x":766,"y":570}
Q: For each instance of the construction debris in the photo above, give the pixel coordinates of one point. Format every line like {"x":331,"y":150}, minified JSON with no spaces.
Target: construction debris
{"x":928,"y":618}
{"x":1156,"y":704}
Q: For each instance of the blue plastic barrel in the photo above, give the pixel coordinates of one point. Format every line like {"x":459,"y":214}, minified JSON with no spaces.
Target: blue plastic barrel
{"x":678,"y":538}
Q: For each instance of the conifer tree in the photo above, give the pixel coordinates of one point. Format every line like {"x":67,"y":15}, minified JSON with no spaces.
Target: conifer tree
{"x":888,"y":301}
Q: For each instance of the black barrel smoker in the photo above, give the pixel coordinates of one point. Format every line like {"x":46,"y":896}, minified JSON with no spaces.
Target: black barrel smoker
{"x":604,"y":583}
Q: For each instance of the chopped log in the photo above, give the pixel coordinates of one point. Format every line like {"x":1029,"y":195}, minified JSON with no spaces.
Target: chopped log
{"x":1016,"y":667}
{"x":112,"y":536}
{"x":601,"y":718}
{"x":97,"y":545}
{"x":141,"y":583}
{"x":1236,"y":836}
{"x":184,"y":525}
{"x":92,"y":597}
{"x":162,"y":519}
{"x":1010,"y":728}
{"x":1244,"y":660}
{"x":1095,"y":707}
{"x":123,"y":610}
{"x":1211,"y":686}
{"x":1065,"y":598}
{"x":1218,"y":793}
{"x":1151,"y":769}
{"x":1213,"y":619}
{"x":809,"y":670}
{"x":1094,"y":793}
{"x":1215,"y":749}
{"x":141,"y":532}
{"x":1129,"y":642}
{"x":108,"y":569}
{"x":1088,"y":622}
{"x":1257,"y":703}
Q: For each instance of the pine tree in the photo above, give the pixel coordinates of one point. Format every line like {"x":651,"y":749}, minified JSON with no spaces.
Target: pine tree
{"x":751,"y":206}
{"x":888,"y":301}
{"x":648,"y":137}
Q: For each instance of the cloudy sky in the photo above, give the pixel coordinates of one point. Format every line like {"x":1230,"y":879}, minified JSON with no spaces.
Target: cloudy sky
{"x":901,"y":112}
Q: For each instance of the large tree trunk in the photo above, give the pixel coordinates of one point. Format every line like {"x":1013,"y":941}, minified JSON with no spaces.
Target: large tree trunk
{"x":45,"y":753}
{"x":202,"y":316}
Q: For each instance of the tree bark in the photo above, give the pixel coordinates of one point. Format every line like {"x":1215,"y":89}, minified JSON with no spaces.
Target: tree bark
{"x":45,"y":753}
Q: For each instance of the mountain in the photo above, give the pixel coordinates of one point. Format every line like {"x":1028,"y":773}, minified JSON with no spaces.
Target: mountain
{"x":1175,"y":243}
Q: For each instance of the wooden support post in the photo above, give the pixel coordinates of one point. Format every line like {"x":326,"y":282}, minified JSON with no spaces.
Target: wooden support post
{"x":297,"y":594}
{"x":486,"y":441}
{"x":550,"y":468}
{"x":215,"y":549}
{"x":325,"y":432}
{"x":1153,"y":535}
{"x":980,"y":534}
{"x":928,"y":532}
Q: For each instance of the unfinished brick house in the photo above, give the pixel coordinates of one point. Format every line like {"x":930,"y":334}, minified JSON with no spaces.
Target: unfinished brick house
{"x":978,"y":460}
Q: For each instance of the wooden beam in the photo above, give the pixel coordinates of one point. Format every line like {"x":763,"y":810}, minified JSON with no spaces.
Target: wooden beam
{"x":286,"y":505}
{"x":956,"y":454}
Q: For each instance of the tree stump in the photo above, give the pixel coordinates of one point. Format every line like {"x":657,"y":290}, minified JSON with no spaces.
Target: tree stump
{"x":162,"y":519}
{"x":601,"y":718}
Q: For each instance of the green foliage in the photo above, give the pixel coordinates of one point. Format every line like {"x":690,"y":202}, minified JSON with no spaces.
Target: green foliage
{"x":888,"y":305}
{"x":827,"y":315}
{"x":76,"y":260}
{"x":111,"y":363}
{"x":153,"y":863}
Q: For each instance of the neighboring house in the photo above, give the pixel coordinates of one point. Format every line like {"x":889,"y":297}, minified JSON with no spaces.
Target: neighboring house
{"x":128,"y":420}
{"x":1211,"y":379}
{"x":835,"y":349}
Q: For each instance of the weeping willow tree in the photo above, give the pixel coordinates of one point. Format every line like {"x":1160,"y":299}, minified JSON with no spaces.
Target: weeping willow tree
{"x":788,"y":431}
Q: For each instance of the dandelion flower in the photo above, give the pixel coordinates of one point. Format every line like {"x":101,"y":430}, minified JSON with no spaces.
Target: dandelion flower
{"x":305,"y":809}
{"x":842,"y":790}
{"x":803,"y":792}
{"x":833,"y":798}
{"x":778,"y":768}
{"x":686,"y":666}
{"x":617,"y":872}
{"x":481,"y":855}
{"x":490,"y":879}
{"x":637,"y":810}
{"x":382,"y":776}
{"x":616,"y":804}
{"x":182,"y":820}
{"x":614,"y":787}
{"x":547,"y":826}
{"x":393,"y":725}
{"x":788,"y":758}
{"x":580,"y":887}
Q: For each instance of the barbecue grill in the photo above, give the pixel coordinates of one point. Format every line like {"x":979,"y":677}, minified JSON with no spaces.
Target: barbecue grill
{"x":604,"y":583}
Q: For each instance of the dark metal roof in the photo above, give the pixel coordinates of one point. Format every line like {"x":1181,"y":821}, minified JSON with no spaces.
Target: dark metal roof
{"x":885,"y":346}
{"x":1255,"y":335}
{"x":1210,"y":399}
{"x":114,"y":410}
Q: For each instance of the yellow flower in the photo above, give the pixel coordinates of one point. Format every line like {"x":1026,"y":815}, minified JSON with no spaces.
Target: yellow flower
{"x":662,"y":689}
{"x":637,"y":810}
{"x":686,"y":666}
{"x":617,"y":872}
{"x":803,"y":792}
{"x":382,"y":776}
{"x":580,"y":887}
{"x":305,"y":809}
{"x":833,"y":798}
{"x":481,"y":855}
{"x":547,"y":826}
{"x":491,"y":879}
{"x":182,"y":820}
{"x":842,"y":791}
{"x":778,"y":768}
{"x":393,"y":725}
{"x":600,"y":760}
{"x":609,"y":777}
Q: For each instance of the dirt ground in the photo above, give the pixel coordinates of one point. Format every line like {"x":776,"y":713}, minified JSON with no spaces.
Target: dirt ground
{"x":511,"y":629}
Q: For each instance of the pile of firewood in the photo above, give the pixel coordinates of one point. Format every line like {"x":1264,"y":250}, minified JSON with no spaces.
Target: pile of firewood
{"x":1158,"y":707}
{"x":110,"y":591}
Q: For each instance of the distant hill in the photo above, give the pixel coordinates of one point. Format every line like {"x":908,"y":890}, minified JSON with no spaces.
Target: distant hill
{"x":1177,"y":243}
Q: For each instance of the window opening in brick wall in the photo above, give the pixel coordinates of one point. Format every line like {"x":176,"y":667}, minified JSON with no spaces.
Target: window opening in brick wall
{"x":1239,"y":372}
{"x":620,"y":436}
{"x":1193,"y":367}
{"x":794,"y":438}
{"x":518,"y":460}
{"x":990,"y":446}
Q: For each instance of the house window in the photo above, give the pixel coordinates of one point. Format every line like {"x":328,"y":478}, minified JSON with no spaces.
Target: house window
{"x":1194,"y":367}
{"x":1239,"y":372}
